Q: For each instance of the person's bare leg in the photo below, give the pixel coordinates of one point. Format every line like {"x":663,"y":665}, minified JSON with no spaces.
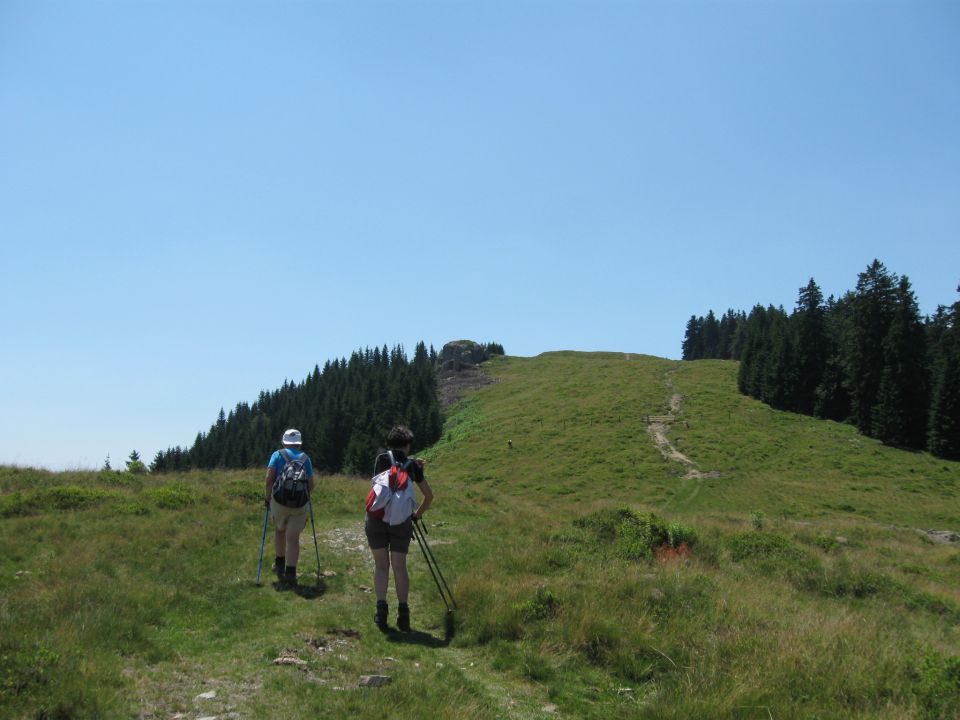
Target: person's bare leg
{"x":381,"y":573}
{"x":293,"y":547}
{"x":280,"y":542}
{"x":400,"y":577}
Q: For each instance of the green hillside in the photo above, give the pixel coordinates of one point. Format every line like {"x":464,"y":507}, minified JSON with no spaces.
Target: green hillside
{"x":779,"y":571}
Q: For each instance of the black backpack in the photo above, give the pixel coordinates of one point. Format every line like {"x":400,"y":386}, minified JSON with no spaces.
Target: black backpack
{"x":291,"y":486}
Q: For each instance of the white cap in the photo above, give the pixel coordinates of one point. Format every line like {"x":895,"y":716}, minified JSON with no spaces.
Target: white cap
{"x":292,"y":437}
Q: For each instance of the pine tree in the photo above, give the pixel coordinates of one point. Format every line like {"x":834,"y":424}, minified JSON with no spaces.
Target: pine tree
{"x":813,"y":348}
{"x":901,"y":412}
{"x":711,"y":336}
{"x":134,"y":464}
{"x":873,"y":305}
{"x":944,"y":424}
{"x":780,"y":376}
{"x":693,"y":339}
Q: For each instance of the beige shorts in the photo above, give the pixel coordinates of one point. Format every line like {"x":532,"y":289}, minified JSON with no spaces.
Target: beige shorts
{"x":288,"y":518}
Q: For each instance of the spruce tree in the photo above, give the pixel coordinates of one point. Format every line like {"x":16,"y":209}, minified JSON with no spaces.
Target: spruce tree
{"x":711,"y":336}
{"x":813,"y":347}
{"x":901,"y":412}
{"x":692,"y":346}
{"x":873,"y":305}
{"x":943,"y":437}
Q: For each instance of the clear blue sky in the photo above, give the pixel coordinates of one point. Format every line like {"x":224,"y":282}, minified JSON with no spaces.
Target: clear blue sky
{"x":199,"y":200}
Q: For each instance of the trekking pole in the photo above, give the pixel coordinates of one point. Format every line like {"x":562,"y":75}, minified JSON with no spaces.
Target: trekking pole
{"x":263,"y":541}
{"x":314,"y":528}
{"x":420,"y":530}
{"x":420,"y":541}
{"x":425,"y":546}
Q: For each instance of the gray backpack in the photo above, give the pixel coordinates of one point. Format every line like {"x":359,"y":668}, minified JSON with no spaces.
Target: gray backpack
{"x":291,"y":487}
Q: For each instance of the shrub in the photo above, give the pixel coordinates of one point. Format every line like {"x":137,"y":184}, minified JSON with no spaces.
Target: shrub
{"x":543,"y":605}
{"x":246,"y":490}
{"x":937,"y":686}
{"x":133,"y":508}
{"x":634,"y":535}
{"x":120,"y":478}
{"x":60,"y":497}
{"x":762,"y":546}
{"x":13,"y":504}
{"x":173,"y":497}
{"x":21,"y":668}
{"x":70,"y":497}
{"x":681,"y":535}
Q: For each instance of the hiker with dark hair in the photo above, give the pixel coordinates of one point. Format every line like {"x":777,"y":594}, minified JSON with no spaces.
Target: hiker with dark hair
{"x":289,"y":485}
{"x":391,"y":511}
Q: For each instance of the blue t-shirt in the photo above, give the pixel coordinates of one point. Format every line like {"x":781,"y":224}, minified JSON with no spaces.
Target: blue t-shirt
{"x":277,"y":461}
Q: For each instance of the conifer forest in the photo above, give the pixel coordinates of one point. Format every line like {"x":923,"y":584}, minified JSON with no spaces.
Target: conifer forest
{"x":344,"y":411}
{"x":867,"y":358}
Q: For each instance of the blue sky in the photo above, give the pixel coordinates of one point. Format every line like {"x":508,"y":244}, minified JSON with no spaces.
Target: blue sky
{"x":199,"y":200}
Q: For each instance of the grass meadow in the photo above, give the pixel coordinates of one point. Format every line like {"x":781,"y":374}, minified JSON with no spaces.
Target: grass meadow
{"x":594,"y":578}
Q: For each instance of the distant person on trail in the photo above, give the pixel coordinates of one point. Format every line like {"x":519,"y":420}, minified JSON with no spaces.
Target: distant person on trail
{"x":389,"y":531}
{"x":289,"y":509}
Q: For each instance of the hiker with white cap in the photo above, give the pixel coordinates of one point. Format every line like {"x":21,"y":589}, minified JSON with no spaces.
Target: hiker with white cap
{"x":289,"y":485}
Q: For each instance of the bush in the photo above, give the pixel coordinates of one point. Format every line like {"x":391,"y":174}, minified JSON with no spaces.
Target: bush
{"x":120,"y":478}
{"x":173,"y":497}
{"x":543,"y":605}
{"x":133,"y":508}
{"x":60,"y":497}
{"x":22,"y":668}
{"x":679,"y":534}
{"x":246,"y":490}
{"x":634,"y":535}
{"x":937,"y":686}
{"x":70,"y":497}
{"x":763,"y":546}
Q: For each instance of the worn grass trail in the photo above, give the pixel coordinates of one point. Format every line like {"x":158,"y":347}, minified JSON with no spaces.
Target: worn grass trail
{"x":809,"y":591}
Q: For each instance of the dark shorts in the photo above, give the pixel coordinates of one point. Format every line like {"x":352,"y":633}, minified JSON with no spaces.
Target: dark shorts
{"x":382,"y":535}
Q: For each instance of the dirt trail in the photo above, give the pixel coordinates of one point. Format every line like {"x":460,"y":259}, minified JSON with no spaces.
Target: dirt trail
{"x":658,"y":431}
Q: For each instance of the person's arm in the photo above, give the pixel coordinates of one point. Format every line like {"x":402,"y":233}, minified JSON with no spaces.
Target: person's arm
{"x":427,"y":499}
{"x":271,"y":476}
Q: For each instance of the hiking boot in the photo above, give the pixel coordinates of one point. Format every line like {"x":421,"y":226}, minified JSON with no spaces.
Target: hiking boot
{"x":279,"y":564}
{"x":382,"y":612}
{"x":290,"y":576}
{"x":403,"y":617}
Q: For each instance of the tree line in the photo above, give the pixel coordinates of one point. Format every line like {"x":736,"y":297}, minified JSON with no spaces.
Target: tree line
{"x":867,"y":358}
{"x":710,"y":339}
{"x":344,"y":411}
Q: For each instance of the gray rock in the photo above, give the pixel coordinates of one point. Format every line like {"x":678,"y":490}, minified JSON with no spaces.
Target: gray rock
{"x":207,"y":695}
{"x":375,"y":680}
{"x":457,"y":355}
{"x":288,"y":660}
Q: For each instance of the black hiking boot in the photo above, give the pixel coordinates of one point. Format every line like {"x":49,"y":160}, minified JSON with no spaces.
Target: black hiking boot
{"x":403,"y":617}
{"x":290,"y":576}
{"x":279,"y":564}
{"x":382,"y":612}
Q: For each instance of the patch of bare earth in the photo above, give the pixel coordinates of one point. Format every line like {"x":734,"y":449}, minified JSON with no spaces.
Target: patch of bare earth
{"x":658,"y":429}
{"x":452,"y":385}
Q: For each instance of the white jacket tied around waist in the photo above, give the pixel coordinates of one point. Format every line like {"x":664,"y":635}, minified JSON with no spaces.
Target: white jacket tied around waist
{"x":397,"y":505}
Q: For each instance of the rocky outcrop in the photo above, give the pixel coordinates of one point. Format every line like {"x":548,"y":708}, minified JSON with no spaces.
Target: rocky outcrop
{"x":461,"y":354}
{"x":458,"y":370}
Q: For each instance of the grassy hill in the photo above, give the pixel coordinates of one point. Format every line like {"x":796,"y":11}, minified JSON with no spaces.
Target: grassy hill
{"x":780,"y":572}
